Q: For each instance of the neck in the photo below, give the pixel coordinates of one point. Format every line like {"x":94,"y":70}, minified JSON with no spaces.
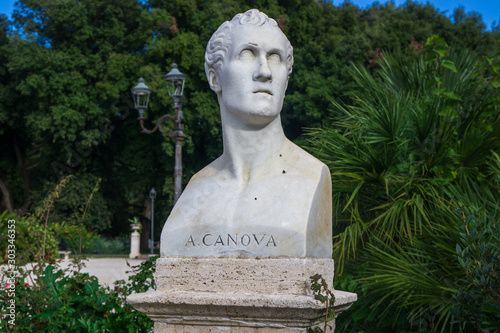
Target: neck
{"x":250,"y":149}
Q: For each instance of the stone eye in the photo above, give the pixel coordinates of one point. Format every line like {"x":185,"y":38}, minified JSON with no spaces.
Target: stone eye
{"x":274,"y":58}
{"x":247,"y":55}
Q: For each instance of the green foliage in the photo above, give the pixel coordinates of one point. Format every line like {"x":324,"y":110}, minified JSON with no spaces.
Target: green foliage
{"x":97,"y":245}
{"x":394,"y":150}
{"x":424,"y":287}
{"x":65,"y":82}
{"x":35,"y":238}
{"x":29,"y":239}
{"x":324,"y":294}
{"x":420,"y":139}
{"x":72,"y":212}
{"x":477,"y":302}
{"x":365,"y":316}
{"x":64,"y":86}
{"x":143,"y":279}
{"x":70,"y":301}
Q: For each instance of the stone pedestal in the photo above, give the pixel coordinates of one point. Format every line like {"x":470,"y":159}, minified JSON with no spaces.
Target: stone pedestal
{"x":135,"y":242}
{"x":237,"y":295}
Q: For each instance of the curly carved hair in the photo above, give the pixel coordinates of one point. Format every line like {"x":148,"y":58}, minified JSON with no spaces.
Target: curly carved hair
{"x":219,"y":44}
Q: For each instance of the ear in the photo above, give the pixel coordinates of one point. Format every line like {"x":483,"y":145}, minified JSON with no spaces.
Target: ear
{"x":213,"y":81}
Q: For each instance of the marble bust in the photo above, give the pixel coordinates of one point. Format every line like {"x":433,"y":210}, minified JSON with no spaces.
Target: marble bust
{"x":264,"y":196}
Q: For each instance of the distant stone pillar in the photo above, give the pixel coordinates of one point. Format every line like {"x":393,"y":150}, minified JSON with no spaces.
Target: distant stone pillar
{"x":135,"y":241}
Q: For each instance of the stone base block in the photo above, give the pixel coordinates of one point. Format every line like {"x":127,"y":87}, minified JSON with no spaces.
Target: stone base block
{"x":237,"y":295}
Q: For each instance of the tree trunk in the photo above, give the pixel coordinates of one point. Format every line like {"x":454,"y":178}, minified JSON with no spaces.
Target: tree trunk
{"x":26,"y":178}
{"x":6,"y":203}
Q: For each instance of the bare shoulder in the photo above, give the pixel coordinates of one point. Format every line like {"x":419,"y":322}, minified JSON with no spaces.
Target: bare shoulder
{"x":303,"y":162}
{"x":209,"y":172}
{"x":202,"y":185}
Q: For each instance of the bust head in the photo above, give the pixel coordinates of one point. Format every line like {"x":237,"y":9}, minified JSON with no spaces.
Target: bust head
{"x":220,"y":41}
{"x":248,"y":62}
{"x":264,"y":196}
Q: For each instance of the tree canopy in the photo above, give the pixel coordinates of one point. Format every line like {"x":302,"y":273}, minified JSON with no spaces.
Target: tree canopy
{"x":66,"y":69}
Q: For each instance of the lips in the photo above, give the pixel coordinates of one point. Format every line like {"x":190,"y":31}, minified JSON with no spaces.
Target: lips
{"x":263,"y":91}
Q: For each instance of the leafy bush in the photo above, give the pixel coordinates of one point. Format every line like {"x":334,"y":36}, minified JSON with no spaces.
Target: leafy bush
{"x":477,"y":302}
{"x":37,"y":234}
{"x":70,"y":301}
{"x":325,"y":295}
{"x":420,"y":140}
{"x":29,"y":239}
{"x":71,"y":209}
{"x":98,"y":245}
{"x":424,"y":288}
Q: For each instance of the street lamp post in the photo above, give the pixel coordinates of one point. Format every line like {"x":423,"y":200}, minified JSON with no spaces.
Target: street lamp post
{"x":152,"y":195}
{"x":175,"y":84}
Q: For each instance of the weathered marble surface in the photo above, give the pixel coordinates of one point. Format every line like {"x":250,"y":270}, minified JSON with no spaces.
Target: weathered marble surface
{"x":269,"y":276}
{"x":237,"y":295}
{"x":265,"y":196}
{"x":251,"y":228}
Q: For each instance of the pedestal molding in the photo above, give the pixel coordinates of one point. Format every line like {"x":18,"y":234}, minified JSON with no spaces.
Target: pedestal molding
{"x":237,"y":295}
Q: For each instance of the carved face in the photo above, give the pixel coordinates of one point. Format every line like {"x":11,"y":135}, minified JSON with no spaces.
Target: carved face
{"x":253,"y":78}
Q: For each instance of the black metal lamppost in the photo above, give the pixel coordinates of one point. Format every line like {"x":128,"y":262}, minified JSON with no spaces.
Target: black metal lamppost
{"x":152,"y":195}
{"x":175,"y":84}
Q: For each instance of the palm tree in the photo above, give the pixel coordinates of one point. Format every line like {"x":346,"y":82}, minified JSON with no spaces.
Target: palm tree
{"x":419,"y":141}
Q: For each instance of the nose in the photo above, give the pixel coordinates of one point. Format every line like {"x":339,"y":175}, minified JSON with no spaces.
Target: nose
{"x":263,"y":72}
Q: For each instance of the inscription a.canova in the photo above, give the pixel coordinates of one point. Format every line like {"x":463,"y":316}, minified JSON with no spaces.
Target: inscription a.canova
{"x":232,"y":240}
{"x":262,"y":184}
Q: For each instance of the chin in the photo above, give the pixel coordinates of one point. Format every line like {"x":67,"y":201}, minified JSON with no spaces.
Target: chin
{"x":265,"y":110}
{"x":262,"y":118}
